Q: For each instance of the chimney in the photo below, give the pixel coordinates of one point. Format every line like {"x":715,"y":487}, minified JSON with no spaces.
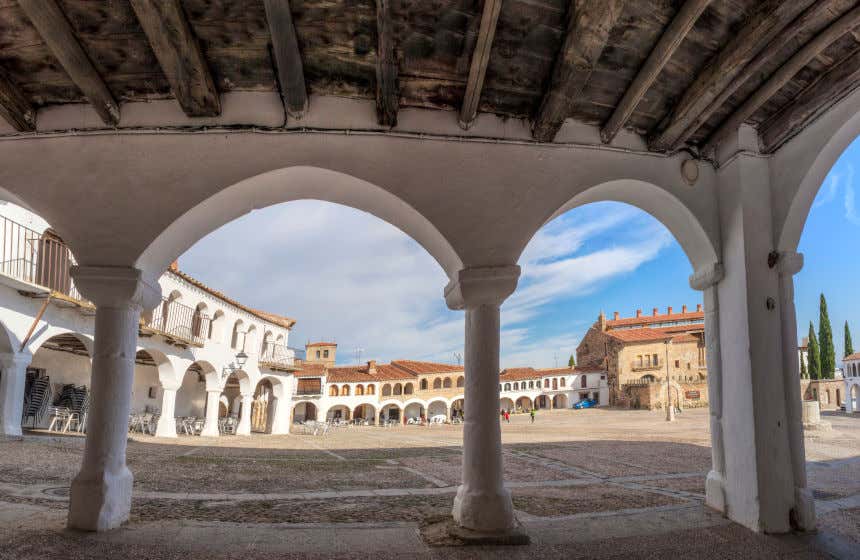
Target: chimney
{"x":174,"y":266}
{"x":371,"y":366}
{"x":601,"y":320}
{"x":683,"y":309}
{"x":699,"y":307}
{"x":656,"y":311}
{"x":615,"y":316}
{"x":669,"y":310}
{"x":638,"y":313}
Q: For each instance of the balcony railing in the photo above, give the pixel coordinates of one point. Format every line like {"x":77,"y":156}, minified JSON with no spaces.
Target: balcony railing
{"x":36,"y":258}
{"x":278,"y":356}
{"x":636,"y":366}
{"x":178,"y":321}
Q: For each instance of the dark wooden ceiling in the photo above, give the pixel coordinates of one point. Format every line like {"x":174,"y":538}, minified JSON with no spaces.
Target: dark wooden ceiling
{"x":587,"y":53}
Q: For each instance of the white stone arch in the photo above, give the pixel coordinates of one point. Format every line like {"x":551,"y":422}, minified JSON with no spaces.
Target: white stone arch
{"x":250,"y":343}
{"x":452,"y":400}
{"x":217,"y":326}
{"x":290,"y":184}
{"x":506,"y":403}
{"x":660,"y":203}
{"x":420,"y":402}
{"x":520,"y":397}
{"x":799,"y":167}
{"x":44,"y":336}
{"x":435,"y":410}
{"x":214,"y":380}
{"x":310,"y":410}
{"x":852,"y":396}
{"x":237,"y":335}
{"x":268,"y":342}
{"x":362,"y":405}
{"x":9,"y":343}
{"x":165,"y":365}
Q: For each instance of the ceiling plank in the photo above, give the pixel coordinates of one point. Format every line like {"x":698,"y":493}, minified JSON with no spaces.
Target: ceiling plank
{"x":589,"y":23}
{"x":819,"y":96}
{"x":785,"y":73}
{"x":51,"y":23}
{"x":387,"y":90}
{"x":15,"y":108}
{"x":669,"y":41}
{"x":770,"y":18}
{"x":288,"y":58}
{"x":179,"y":55}
{"x":480,"y":60}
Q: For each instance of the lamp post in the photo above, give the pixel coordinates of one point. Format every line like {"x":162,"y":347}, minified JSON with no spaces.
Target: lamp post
{"x":670,"y":410}
{"x":241,"y":360}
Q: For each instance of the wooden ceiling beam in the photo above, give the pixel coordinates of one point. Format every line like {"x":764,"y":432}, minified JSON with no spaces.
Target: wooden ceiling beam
{"x":179,"y":55}
{"x":785,"y":73}
{"x":480,"y":60}
{"x":15,"y":108}
{"x":660,"y":55}
{"x":288,"y":59}
{"x":387,"y":89}
{"x":589,"y":23}
{"x":52,"y":25}
{"x":819,"y":96}
{"x":772,"y":17}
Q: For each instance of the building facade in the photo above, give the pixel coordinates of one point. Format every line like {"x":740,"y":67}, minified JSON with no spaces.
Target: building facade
{"x":645,"y":350}
{"x":851,"y":381}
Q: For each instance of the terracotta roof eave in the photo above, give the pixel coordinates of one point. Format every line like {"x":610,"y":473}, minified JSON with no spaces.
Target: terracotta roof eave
{"x":285,"y":322}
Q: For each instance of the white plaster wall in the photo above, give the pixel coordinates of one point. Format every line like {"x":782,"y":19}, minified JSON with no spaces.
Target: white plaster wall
{"x":191,"y":396}
{"x":144,"y":378}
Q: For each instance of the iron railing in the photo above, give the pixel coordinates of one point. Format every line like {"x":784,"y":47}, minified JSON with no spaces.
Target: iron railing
{"x":37,"y":258}
{"x":279,"y":357}
{"x":179,"y":321}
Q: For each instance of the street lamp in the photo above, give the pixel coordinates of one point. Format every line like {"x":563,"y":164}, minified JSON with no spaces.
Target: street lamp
{"x":670,"y":410}
{"x":241,"y":360}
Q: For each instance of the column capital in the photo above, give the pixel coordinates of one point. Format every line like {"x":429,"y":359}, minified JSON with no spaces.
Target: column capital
{"x":116,"y":286}
{"x":707,"y":276}
{"x":481,"y":285}
{"x":789,"y":263}
{"x":15,"y":360}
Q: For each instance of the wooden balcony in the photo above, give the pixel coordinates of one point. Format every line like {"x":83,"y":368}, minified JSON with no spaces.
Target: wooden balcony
{"x":280,"y":358}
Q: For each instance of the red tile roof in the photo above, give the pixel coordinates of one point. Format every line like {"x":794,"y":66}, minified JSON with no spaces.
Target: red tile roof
{"x":419,"y":368}
{"x":517,"y":374}
{"x":646,"y":334}
{"x":285,"y":322}
{"x":311,"y":344}
{"x":360,"y":374}
{"x":854,"y":356}
{"x":650,"y":319}
{"x":311,"y":370}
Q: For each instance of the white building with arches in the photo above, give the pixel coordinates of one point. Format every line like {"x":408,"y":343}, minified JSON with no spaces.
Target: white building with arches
{"x":186,"y":349}
{"x":851,"y":378}
{"x":522,"y":389}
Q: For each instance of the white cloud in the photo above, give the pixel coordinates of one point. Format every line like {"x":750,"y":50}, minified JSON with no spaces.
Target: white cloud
{"x":347,"y":276}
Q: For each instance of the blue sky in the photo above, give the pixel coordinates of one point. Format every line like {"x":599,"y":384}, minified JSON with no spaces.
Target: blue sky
{"x":348,"y":276}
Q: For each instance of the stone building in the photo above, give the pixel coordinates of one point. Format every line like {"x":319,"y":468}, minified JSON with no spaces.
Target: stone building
{"x":522,"y":388}
{"x":643,"y":350}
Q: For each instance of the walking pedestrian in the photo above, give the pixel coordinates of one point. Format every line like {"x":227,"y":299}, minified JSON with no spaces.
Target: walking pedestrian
{"x":533,"y":415}
{"x":508,"y":416}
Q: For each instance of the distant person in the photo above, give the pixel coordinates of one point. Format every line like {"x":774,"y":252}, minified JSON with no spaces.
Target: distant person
{"x":508,"y":416}
{"x":502,"y":413}
{"x":532,"y":414}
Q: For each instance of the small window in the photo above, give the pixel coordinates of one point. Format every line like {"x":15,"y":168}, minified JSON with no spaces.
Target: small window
{"x":325,"y":353}
{"x":677,"y":363}
{"x":318,"y":353}
{"x":688,"y":365}
{"x":656,"y":361}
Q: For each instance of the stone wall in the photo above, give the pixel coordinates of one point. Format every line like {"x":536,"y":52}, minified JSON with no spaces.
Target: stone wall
{"x":830,"y":393}
{"x":652,"y":396}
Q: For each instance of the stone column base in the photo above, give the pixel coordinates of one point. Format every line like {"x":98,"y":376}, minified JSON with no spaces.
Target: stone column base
{"x":483,"y":512}
{"x":101,"y":501}
{"x":715,"y":492}
{"x":210,"y":431}
{"x":803,"y":514}
{"x":166,"y":427}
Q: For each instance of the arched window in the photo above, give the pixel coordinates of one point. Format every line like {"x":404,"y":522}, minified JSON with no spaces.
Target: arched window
{"x":507,"y":386}
{"x":332,"y":391}
{"x":359,"y":390}
{"x":386,"y":390}
{"x":562,"y":382}
{"x":408,"y":389}
{"x":216,"y":327}
{"x":250,"y":344}
{"x":437,"y":383}
{"x":198,"y":320}
{"x":237,"y":341}
{"x":447,"y":383}
{"x":461,"y":381}
{"x":344,"y":391}
{"x":268,"y":347}
{"x":555,"y":383}
{"x":516,"y":386}
{"x":371,"y":390}
{"x":584,"y":381}
{"x":546,"y":382}
{"x":423,"y":384}
{"x":398,"y":389}
{"x":531,"y":384}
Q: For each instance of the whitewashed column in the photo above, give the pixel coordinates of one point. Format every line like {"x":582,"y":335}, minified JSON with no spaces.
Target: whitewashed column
{"x":213,"y":401}
{"x":790,"y":264}
{"x":705,"y":280}
{"x":101,"y":492}
{"x":244,"y":427}
{"x":482,"y":504}
{"x":12,"y":382}
{"x":167,"y":420}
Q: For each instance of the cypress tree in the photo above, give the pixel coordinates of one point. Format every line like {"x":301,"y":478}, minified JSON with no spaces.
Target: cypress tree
{"x":849,"y":347}
{"x":825,"y":342}
{"x":803,"y":373}
{"x":572,"y":363}
{"x":814,"y":358}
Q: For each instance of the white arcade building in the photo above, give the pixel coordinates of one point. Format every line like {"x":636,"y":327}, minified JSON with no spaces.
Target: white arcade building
{"x":186,"y":364}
